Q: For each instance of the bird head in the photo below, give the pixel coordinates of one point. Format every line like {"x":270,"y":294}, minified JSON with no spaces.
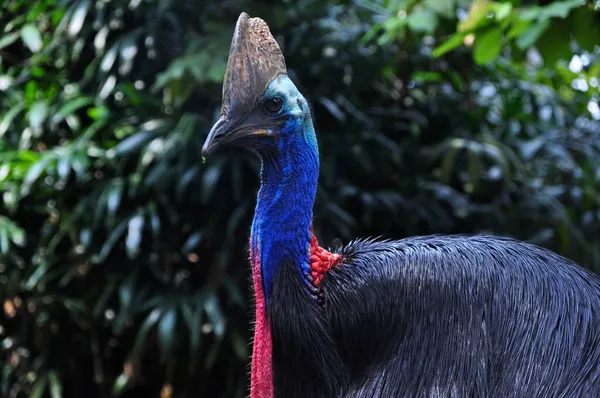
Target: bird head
{"x":262,"y":109}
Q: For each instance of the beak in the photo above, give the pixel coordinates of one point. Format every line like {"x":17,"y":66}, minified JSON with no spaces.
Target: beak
{"x":213,"y":136}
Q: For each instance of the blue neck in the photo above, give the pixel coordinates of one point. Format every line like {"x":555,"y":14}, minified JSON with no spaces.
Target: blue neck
{"x":283,"y":216}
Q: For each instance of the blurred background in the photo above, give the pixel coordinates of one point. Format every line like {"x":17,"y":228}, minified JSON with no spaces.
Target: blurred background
{"x":123,"y":257}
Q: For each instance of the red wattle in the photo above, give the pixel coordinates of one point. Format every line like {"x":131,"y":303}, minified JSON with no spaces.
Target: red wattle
{"x":261,"y":377}
{"x":321,"y":260}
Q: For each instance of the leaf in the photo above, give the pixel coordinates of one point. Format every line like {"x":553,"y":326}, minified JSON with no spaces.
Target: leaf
{"x":517,"y":28}
{"x":560,"y":9}
{"x":422,"y":19}
{"x":150,"y":321}
{"x":9,"y":117}
{"x":449,"y":45}
{"x":37,"y":275}
{"x":133,"y":143}
{"x":71,"y":107}
{"x":443,"y":7}
{"x":134,"y":235}
{"x":78,"y":18}
{"x":32,"y":38}
{"x":488,"y":46}
{"x":477,"y":15}
{"x":211,"y":306}
{"x":114,"y":197}
{"x":192,"y":242}
{"x":584,"y":28}
{"x":37,"y":114}
{"x":210,"y":178}
{"x":474,"y":165}
{"x":55,"y":385}
{"x":166,"y":333}
{"x":533,"y":32}
{"x":6,"y":82}
{"x":114,"y":236}
{"x":554,"y":45}
{"x":4,"y":242}
{"x":333,"y":109}
{"x":193,"y":319}
{"x":64,"y":167}
{"x":502,"y":10}
{"x":109,"y":58}
{"x":33,"y":173}
{"x":39,"y":387}
{"x":530,"y":148}
{"x":8,"y":39}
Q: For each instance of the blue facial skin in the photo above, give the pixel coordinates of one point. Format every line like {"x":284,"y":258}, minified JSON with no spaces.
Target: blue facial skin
{"x":283,"y":216}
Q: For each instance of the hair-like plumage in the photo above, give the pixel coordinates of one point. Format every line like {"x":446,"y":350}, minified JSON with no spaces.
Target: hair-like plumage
{"x":440,"y":316}
{"x":433,"y":316}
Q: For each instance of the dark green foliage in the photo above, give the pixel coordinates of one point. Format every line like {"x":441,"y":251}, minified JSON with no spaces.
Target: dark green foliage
{"x":123,"y":262}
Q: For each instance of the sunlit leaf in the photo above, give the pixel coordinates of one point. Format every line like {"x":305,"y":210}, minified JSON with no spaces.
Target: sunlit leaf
{"x":488,"y":46}
{"x":32,"y":38}
{"x":78,"y":17}
{"x":134,"y":235}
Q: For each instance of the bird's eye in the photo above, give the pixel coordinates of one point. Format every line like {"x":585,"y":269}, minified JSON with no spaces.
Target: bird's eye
{"x":273,"y":105}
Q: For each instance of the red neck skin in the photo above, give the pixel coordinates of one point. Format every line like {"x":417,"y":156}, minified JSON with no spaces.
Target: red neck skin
{"x":261,"y":376}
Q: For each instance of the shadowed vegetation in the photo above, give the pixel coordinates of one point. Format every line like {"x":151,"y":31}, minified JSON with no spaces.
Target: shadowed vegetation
{"x":123,"y":258}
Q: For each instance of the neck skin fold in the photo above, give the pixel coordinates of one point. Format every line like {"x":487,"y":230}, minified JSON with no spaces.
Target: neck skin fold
{"x":281,"y":232}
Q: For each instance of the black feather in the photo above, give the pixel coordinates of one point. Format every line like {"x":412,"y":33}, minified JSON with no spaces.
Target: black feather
{"x":440,"y":317}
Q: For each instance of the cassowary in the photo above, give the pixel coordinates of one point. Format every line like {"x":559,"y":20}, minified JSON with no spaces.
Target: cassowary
{"x":438,"y":316}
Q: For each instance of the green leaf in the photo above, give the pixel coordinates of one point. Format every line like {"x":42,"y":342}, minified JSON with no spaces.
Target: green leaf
{"x":530,"y":36}
{"x":584,"y":28}
{"x":8,"y":39}
{"x":477,"y":15}
{"x":443,"y":7}
{"x":502,"y":10}
{"x":37,"y":114}
{"x":32,"y":38}
{"x":517,"y":27}
{"x":166,"y":333}
{"x":422,"y":19}
{"x":449,"y":45}
{"x":71,"y":107}
{"x":55,"y":385}
{"x":33,"y":173}
{"x":8,"y":118}
{"x":39,"y":387}
{"x":560,"y":9}
{"x":488,"y":46}
{"x":554,"y":45}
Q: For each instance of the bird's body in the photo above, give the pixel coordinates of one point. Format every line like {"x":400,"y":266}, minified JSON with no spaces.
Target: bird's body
{"x":439,"y":316}
{"x":421,"y":317}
